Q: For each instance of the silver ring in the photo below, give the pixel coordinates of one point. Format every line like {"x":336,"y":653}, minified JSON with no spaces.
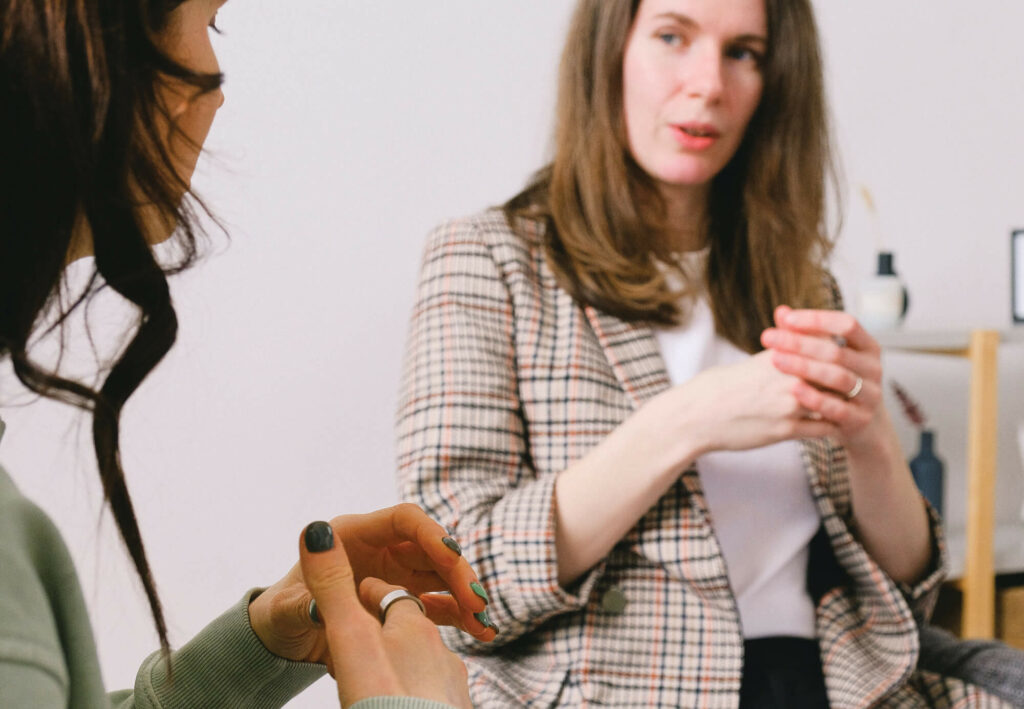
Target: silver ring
{"x":314,"y":615}
{"x":399,"y":594}
{"x":856,"y":388}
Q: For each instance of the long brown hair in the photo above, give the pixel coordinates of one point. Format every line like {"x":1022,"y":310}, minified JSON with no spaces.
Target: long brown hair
{"x":603,"y":214}
{"x":84,"y":139}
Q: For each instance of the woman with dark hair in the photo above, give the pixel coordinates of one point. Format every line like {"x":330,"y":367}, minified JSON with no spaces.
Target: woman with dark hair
{"x":104,"y":108}
{"x":633,"y":392}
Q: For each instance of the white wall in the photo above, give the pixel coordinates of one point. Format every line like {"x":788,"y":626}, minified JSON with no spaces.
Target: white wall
{"x":350,"y":129}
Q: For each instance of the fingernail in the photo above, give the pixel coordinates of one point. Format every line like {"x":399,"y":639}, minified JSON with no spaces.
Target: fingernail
{"x":314,"y":614}
{"x":479,"y":590}
{"x":484,"y":619}
{"x":494,"y":627}
{"x":319,"y":537}
{"x":452,"y":544}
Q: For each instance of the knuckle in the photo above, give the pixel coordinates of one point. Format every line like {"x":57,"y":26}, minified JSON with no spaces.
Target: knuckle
{"x":332,"y":577}
{"x":407,"y":509}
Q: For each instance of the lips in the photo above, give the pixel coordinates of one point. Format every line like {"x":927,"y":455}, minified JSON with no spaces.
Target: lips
{"x":696,"y":136}
{"x":699,"y":130}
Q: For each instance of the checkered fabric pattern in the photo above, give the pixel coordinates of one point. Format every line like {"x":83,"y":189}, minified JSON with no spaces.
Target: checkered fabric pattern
{"x":506,"y":382}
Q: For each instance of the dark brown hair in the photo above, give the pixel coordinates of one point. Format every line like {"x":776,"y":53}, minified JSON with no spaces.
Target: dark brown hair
{"x":84,"y":141}
{"x":603,"y":215}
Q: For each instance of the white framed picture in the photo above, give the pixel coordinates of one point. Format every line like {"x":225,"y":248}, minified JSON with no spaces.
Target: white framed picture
{"x":1017,"y":275}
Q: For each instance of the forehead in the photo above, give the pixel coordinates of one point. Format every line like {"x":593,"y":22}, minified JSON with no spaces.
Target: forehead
{"x":726,"y":17}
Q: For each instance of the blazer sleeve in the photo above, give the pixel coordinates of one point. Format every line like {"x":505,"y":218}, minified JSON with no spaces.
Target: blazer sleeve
{"x":922,"y":595}
{"x":463,"y":451}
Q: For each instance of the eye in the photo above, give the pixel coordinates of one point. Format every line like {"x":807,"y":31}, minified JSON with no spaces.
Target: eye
{"x":744,"y":53}
{"x":671,"y":39}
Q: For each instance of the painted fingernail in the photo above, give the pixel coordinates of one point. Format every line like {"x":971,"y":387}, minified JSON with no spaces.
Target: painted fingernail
{"x":494,"y":627}
{"x":484,"y":619}
{"x":319,"y":537}
{"x":452,"y":544}
{"x":314,"y":614}
{"x":479,"y":590}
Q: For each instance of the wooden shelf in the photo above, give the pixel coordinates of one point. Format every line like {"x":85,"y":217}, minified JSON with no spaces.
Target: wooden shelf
{"x":981,"y":348}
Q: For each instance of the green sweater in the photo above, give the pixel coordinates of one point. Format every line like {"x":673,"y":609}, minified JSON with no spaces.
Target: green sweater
{"x":48,"y":655}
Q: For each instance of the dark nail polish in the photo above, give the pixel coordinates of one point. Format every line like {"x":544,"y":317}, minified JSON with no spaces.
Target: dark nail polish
{"x":319,"y":537}
{"x":314,"y":613}
{"x":484,"y":619}
{"x":452,"y":544}
{"x":479,"y":590}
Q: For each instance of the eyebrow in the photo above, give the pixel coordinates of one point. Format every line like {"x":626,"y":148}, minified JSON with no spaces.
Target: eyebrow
{"x":690,"y":22}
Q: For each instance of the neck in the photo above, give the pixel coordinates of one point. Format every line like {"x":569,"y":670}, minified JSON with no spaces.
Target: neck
{"x":686,"y":212}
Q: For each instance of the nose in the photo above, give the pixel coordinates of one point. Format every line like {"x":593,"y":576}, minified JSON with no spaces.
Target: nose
{"x":702,"y":77}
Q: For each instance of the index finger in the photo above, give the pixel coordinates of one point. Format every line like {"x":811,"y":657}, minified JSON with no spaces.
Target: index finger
{"x":354,"y":639}
{"x":834,"y":323}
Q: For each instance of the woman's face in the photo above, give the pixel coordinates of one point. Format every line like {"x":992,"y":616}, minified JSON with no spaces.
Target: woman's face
{"x":691,"y":83}
{"x":186,"y":39}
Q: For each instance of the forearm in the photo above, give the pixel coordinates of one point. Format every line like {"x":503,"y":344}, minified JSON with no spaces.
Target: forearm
{"x":602,"y":495}
{"x":888,"y":510}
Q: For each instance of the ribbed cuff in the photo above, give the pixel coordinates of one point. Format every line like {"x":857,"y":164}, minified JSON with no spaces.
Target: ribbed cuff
{"x":225,"y":665}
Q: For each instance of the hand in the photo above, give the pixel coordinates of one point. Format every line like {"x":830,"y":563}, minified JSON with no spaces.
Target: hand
{"x":401,"y":656}
{"x":831,"y":355}
{"x":738,"y":407}
{"x":401,"y":545}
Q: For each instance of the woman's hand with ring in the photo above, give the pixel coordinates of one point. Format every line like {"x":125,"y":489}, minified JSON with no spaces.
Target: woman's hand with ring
{"x":842,"y":383}
{"x":400,"y":545}
{"x":400,"y":654}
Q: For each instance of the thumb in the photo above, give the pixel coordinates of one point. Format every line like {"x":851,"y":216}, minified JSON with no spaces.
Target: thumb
{"x":354,"y":639}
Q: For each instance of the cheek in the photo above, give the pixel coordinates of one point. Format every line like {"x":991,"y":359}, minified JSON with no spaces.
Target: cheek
{"x":749,"y":99}
{"x":193,"y":119}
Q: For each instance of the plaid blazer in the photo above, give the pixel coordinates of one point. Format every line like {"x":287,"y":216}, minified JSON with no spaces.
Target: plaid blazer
{"x":507,"y":380}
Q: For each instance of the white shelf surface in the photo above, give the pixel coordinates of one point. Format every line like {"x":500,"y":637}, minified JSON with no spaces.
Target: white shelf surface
{"x":1008,"y":549}
{"x":924,"y":340}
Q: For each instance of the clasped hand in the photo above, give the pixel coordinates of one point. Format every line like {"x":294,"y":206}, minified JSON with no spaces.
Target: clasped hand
{"x":820,"y":375}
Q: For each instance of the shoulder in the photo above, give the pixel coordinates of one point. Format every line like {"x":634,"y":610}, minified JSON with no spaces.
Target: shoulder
{"x":38,"y":584}
{"x":489,"y":230}
{"x":832,"y":294}
{"x":27,"y":533}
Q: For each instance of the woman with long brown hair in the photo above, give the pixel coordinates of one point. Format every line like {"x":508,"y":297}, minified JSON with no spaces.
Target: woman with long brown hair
{"x":633,"y":392}
{"x":104,"y":108}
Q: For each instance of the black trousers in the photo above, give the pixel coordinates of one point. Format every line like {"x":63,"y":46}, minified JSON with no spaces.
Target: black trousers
{"x":782,"y":673}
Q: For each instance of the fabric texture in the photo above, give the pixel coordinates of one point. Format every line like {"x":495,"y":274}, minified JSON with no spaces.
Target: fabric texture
{"x":48,"y":655}
{"x":506,"y":382}
{"x":781,"y":673}
{"x":994,"y":665}
{"x":748,"y":492}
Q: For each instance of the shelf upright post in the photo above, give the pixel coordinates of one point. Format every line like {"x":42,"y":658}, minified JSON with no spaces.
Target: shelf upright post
{"x":978,"y":583}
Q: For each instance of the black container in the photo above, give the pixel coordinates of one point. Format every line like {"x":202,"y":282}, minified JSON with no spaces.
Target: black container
{"x":929,"y":471}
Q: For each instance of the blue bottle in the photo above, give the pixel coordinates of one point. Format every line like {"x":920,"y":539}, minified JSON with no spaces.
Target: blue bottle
{"x":928,"y":470}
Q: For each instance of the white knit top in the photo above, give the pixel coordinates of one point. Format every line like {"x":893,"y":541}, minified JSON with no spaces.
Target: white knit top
{"x":760,"y":500}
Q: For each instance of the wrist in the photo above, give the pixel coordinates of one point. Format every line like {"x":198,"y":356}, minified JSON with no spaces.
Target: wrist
{"x":670,"y":435}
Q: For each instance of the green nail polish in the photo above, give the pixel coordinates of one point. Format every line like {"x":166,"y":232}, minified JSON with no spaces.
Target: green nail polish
{"x":494,"y":627}
{"x":484,"y":619}
{"x":479,"y":590}
{"x":452,"y":544}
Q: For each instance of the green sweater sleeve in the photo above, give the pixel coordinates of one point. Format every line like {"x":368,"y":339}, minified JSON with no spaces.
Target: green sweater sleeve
{"x":224,"y":665}
{"x":48,"y":654}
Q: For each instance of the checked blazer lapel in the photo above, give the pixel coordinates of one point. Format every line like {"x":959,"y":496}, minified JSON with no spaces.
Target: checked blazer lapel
{"x":678,"y":528}
{"x":633,"y":353}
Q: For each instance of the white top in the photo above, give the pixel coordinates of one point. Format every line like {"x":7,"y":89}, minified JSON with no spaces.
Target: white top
{"x":760,"y":500}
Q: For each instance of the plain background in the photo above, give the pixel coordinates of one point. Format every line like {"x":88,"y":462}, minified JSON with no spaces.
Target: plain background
{"x":353,"y":127}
